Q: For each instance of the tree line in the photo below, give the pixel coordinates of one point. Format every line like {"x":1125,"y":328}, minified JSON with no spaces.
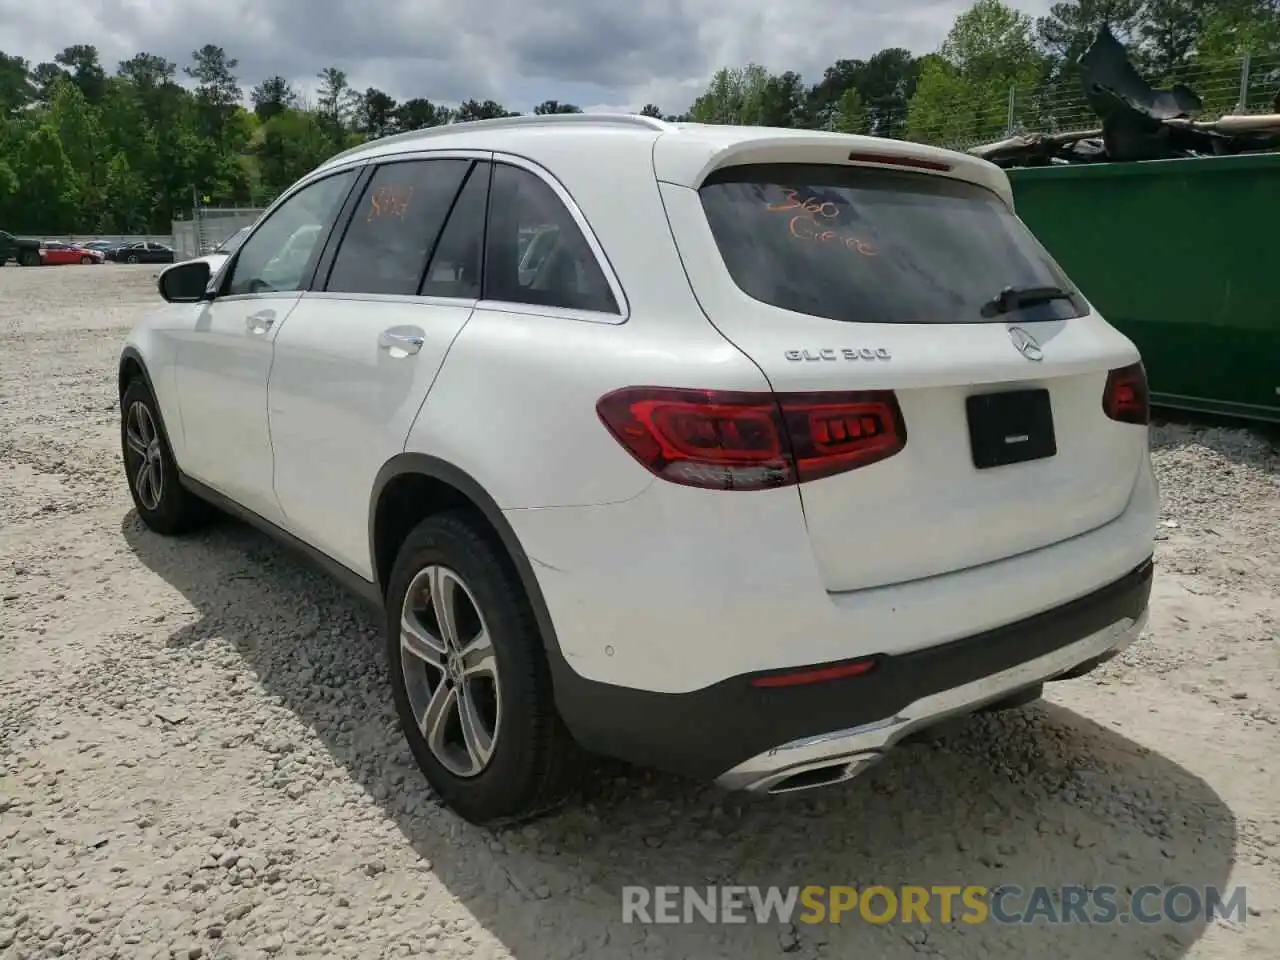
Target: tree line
{"x":86,"y":150}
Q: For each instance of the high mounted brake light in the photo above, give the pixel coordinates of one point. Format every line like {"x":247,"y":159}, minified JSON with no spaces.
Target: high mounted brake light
{"x":729,"y":440}
{"x":918,"y":163}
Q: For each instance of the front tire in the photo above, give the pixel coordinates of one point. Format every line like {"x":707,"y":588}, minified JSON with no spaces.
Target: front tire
{"x":470,"y":679}
{"x":164,"y":505}
{"x":86,"y":260}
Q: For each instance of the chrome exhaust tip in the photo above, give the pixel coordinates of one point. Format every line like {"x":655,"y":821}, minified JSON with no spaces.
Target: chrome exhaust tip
{"x":811,"y":776}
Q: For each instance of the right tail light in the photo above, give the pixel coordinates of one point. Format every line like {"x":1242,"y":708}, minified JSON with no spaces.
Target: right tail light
{"x":1126,"y":398}
{"x":730,"y":440}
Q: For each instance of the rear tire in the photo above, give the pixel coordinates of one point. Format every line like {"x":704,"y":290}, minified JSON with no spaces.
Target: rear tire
{"x":29,"y":258}
{"x":163,"y":504}
{"x":494,"y":749}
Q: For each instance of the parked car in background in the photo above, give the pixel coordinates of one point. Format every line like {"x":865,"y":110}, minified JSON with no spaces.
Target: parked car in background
{"x":55,"y":253}
{"x":114,"y":245}
{"x":103,"y":245}
{"x":143,"y":251}
{"x":21,"y":250}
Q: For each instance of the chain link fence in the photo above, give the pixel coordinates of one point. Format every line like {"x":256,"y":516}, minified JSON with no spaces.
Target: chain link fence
{"x":1239,"y":86}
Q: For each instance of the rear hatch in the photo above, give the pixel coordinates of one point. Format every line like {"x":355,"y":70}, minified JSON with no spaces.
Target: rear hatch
{"x":853,"y":277}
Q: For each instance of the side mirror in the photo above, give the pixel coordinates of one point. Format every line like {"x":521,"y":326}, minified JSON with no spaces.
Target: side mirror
{"x":185,"y":282}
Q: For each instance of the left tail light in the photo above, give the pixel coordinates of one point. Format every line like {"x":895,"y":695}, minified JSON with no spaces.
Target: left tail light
{"x":1126,"y":398}
{"x":729,"y":440}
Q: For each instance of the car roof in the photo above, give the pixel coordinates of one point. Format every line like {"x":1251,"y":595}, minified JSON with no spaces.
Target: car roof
{"x":682,"y":153}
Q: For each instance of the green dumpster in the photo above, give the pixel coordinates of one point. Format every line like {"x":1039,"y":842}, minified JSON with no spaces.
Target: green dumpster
{"x":1180,"y":255}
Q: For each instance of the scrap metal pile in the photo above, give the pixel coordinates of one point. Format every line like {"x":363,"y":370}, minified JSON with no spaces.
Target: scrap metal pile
{"x":1137,"y":122}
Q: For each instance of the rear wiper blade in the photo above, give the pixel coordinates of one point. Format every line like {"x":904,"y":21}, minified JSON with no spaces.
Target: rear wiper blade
{"x":1013,"y":298}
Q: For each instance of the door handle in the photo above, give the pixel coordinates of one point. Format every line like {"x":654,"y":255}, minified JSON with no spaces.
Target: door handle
{"x":402,"y":341}
{"x":260,"y":322}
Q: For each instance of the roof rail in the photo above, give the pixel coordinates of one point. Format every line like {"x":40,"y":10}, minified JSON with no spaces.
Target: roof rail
{"x":522,"y":120}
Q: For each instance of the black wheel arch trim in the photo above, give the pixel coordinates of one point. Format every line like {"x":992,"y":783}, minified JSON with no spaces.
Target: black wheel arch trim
{"x":436,"y":469}
{"x":573,"y":691}
{"x":127,"y":355}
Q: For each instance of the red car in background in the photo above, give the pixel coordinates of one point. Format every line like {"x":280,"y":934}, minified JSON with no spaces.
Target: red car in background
{"x":55,"y":253}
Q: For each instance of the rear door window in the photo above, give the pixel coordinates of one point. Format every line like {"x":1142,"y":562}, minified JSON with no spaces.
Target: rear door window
{"x":867,"y":245}
{"x":395,"y":226}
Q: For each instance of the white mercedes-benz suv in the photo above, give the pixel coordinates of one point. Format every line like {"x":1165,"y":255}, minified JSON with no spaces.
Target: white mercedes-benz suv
{"x":777,"y":449}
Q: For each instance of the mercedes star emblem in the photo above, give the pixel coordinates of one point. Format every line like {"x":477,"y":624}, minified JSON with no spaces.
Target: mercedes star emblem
{"x":1026,"y":344}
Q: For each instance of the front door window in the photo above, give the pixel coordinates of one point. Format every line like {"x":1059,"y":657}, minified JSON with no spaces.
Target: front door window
{"x":281,"y":253}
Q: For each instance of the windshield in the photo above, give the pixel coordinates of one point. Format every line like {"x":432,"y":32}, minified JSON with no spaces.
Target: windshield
{"x":859,"y":244}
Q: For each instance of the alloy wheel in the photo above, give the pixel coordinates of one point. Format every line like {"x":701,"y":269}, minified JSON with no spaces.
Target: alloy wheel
{"x":450,"y":671}
{"x":143,"y":440}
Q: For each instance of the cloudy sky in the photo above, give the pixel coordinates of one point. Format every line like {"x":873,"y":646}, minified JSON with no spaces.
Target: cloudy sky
{"x":596,"y":53}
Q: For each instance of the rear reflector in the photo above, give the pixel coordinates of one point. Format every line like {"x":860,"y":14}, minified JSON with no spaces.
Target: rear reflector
{"x":1126,"y":398}
{"x":800,"y":678}
{"x":917,"y":163}
{"x":729,"y":440}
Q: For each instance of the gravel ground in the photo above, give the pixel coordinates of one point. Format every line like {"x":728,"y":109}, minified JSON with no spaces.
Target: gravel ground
{"x":198,"y":754}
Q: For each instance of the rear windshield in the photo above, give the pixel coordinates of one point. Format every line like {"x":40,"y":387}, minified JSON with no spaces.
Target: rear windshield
{"x":876,"y":246}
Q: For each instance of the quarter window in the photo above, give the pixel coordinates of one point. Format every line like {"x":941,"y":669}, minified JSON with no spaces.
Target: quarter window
{"x":534,"y":251}
{"x":281,"y":253}
{"x":395,"y":226}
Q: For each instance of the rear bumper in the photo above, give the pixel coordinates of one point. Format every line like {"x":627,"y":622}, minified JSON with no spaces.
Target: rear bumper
{"x":677,"y":590}
{"x":833,"y":757}
{"x":752,"y":738}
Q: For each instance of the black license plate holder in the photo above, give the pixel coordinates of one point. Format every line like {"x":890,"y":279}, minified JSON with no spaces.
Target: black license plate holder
{"x":1012,"y":426}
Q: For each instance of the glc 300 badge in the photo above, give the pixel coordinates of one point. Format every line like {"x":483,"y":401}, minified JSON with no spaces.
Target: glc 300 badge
{"x":840,"y":353}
